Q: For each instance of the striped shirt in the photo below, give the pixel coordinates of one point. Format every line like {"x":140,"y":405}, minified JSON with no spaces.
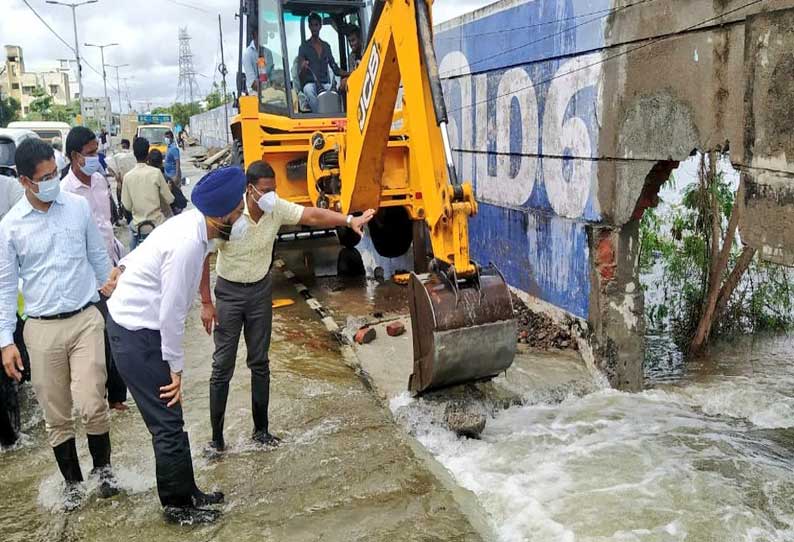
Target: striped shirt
{"x":59,"y":256}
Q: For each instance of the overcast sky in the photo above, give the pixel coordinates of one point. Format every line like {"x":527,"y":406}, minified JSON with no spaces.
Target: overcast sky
{"x":147,"y":31}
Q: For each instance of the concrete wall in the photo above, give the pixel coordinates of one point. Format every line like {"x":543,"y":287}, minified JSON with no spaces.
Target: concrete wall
{"x":211,"y":128}
{"x":568,"y":114}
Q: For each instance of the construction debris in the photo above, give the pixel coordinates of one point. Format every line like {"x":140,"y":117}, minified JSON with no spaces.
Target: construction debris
{"x":216,"y":160}
{"x":395,"y":329}
{"x":365,"y":335}
{"x":539,"y":331}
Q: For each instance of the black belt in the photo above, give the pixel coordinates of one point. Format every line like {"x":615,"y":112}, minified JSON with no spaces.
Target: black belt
{"x":64,"y":315}
{"x":245,"y":284}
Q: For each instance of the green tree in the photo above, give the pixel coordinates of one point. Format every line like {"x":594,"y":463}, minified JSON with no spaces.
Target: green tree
{"x":713,"y":285}
{"x":9,"y":110}
{"x":181,"y":113}
{"x":64,"y":113}
{"x":41,"y":106}
{"x":215,"y":97}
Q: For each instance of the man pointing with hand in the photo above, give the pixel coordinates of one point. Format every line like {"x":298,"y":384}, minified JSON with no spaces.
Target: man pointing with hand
{"x":243,"y":293}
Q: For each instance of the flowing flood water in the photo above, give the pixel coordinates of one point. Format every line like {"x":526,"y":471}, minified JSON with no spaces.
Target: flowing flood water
{"x":708,"y":457}
{"x":344,"y":472}
{"x":699,"y":456}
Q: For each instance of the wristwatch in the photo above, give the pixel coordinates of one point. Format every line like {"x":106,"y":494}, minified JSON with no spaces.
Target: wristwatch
{"x":349,"y":220}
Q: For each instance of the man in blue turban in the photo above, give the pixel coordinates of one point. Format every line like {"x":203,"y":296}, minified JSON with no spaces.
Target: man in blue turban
{"x":154,"y":288}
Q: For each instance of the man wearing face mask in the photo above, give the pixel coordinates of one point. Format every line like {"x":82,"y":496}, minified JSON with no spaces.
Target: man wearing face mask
{"x":148,"y":309}
{"x":84,"y":178}
{"x":243,"y":293}
{"x":50,"y":241}
{"x":173,"y":166}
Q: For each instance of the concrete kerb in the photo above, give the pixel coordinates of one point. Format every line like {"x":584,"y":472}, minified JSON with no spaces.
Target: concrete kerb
{"x":464,"y":498}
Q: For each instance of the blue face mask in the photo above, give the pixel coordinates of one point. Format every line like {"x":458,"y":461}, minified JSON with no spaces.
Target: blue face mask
{"x":48,"y":190}
{"x":91,"y":166}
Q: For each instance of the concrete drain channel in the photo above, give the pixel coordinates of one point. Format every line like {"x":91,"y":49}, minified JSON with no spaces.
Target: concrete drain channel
{"x":446,"y":409}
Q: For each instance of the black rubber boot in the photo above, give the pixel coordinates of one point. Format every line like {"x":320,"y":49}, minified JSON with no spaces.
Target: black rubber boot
{"x":69,"y":465}
{"x":99,"y":446}
{"x":198,"y":497}
{"x":188,"y":515}
{"x":219,"y":393}
{"x":266,"y":439}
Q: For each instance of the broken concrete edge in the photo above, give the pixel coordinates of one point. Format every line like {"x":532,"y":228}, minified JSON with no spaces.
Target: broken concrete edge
{"x":467,"y":501}
{"x":579,"y":328}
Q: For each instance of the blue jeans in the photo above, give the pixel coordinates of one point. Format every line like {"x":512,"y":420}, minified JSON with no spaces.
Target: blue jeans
{"x":133,"y":237}
{"x":310,"y":91}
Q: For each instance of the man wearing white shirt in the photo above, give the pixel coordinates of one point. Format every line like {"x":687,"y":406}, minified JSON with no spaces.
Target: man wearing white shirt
{"x":155,"y":290}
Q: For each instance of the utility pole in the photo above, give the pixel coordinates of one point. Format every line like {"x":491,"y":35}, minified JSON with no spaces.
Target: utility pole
{"x":127,"y":93}
{"x":222,"y":69}
{"x":187,"y":74}
{"x":109,"y":115}
{"x":74,"y":7}
{"x":118,"y":87}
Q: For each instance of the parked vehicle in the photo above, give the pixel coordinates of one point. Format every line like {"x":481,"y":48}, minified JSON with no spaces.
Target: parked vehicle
{"x":10,"y":138}
{"x":46,"y":130}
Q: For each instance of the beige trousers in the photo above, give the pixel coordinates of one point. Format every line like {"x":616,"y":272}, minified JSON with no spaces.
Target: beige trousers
{"x":67,"y":365}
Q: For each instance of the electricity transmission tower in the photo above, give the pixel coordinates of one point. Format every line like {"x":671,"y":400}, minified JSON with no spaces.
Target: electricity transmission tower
{"x":187,"y":89}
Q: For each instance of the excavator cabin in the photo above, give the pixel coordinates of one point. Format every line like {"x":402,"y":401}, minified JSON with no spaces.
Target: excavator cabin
{"x":345,"y":103}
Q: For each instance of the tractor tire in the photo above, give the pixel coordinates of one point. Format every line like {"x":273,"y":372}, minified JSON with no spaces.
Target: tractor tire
{"x":347,"y":237}
{"x":391,"y":231}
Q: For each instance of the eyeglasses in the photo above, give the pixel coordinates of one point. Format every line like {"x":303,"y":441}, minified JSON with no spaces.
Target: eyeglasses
{"x":50,"y":177}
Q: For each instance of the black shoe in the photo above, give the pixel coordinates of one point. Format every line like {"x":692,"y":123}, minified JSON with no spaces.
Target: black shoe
{"x":200,"y":498}
{"x":99,"y":446}
{"x":190,"y":515}
{"x":108,"y":485}
{"x":72,"y":496}
{"x":266,"y":439}
{"x":214,"y":449}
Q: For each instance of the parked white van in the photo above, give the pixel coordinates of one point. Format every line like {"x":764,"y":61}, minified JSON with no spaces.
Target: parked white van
{"x":46,"y":130}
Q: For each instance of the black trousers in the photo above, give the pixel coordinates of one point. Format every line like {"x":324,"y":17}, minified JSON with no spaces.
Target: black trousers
{"x":140,"y":362}
{"x":117,"y":390}
{"x":247,"y":309}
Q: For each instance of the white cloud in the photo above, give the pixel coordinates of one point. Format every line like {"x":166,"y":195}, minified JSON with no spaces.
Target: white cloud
{"x":147,"y":31}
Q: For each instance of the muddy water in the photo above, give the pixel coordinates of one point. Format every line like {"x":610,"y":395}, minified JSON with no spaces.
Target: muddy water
{"x":705,"y":453}
{"x":706,"y":458}
{"x":343,"y":473}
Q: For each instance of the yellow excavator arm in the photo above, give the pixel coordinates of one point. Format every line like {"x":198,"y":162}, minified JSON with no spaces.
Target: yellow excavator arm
{"x":461,"y":315}
{"x":400,"y":50}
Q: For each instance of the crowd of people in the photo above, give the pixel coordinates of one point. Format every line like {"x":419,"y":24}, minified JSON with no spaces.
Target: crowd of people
{"x":102,"y":319}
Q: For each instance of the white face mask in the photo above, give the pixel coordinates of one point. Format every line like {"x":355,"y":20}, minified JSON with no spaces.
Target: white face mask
{"x":91,"y":166}
{"x":239,"y":228}
{"x":267,"y":202}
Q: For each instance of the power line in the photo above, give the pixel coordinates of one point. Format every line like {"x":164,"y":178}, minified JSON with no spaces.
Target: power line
{"x":40,"y":18}
{"x":558,"y":33}
{"x":44,"y":22}
{"x":604,"y":60}
{"x":175,"y":2}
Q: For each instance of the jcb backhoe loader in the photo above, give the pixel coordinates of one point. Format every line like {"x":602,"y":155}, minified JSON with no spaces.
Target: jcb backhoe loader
{"x":380,"y":143}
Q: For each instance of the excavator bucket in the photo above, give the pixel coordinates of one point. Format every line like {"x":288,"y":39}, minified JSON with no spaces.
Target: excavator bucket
{"x":462,"y":331}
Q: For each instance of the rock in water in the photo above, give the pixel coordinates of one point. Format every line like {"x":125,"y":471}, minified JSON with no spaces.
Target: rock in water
{"x":466,"y":418}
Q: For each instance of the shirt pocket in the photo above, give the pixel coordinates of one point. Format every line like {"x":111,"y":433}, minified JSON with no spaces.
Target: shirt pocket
{"x":70,"y":244}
